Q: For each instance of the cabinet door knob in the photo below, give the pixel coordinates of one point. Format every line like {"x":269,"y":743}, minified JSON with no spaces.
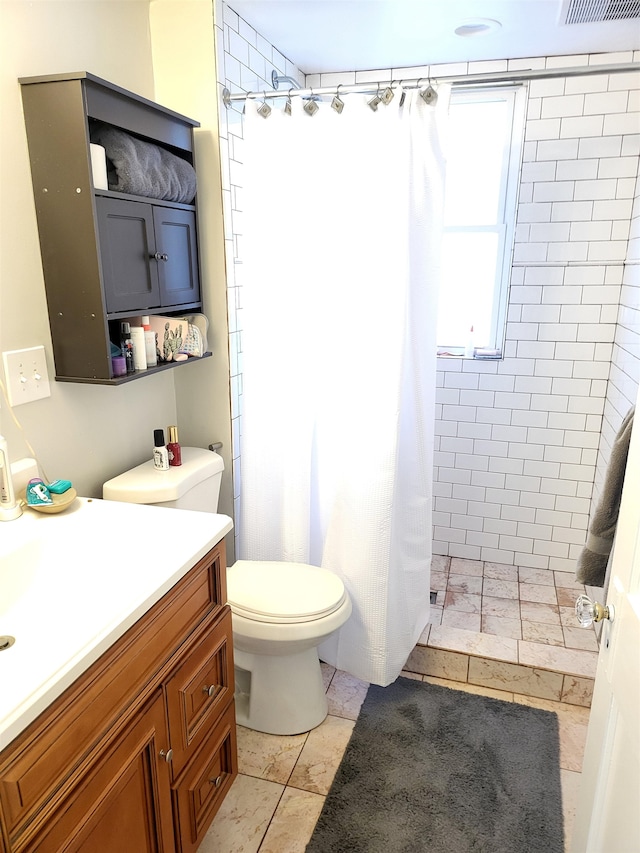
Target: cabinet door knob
{"x":216,"y":782}
{"x":160,"y":256}
{"x":167,"y":755}
{"x":209,"y":689}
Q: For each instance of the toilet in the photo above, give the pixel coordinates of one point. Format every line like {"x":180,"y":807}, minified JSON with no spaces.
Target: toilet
{"x":280,"y":612}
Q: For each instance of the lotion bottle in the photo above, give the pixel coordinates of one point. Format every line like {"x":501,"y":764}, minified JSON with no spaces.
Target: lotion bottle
{"x":160,"y":453}
{"x":173,"y":447}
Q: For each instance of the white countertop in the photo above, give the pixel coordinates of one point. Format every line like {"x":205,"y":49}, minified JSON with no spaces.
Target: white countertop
{"x":71,"y":584}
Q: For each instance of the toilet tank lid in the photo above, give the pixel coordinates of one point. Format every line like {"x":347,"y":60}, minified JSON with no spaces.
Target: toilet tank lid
{"x":146,"y":485}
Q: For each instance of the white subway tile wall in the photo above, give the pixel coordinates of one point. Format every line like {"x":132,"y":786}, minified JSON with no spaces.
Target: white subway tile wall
{"x":521,"y":444}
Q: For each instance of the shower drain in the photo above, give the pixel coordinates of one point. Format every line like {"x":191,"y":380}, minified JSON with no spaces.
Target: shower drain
{"x":5,"y":642}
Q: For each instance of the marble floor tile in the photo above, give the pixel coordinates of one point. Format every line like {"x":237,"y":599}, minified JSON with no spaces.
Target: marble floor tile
{"x":438,"y":580}
{"x":474,"y":643}
{"x":465,"y":583}
{"x":540,"y":632}
{"x":508,"y":608}
{"x":574,"y":661}
{"x":244,"y":816}
{"x":438,"y":662}
{"x":328,"y":672}
{"x":440,"y":563}
{"x":466,"y":601}
{"x":533,"y":611}
{"x":580,"y":638}
{"x":570,"y":785}
{"x":266,"y":756}
{"x":544,"y":577}
{"x":499,"y":588}
{"x":461,"y":619}
{"x":505,"y":695}
{"x":321,"y":755}
{"x":346,"y":695}
{"x":520,"y":679}
{"x":466,"y":567}
{"x":500,"y":572}
{"x":538,"y":592}
{"x":502,"y":626}
{"x":293,"y":823}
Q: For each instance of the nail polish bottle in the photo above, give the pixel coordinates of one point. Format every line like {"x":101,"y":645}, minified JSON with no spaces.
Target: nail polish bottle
{"x":127,"y":346}
{"x":160,"y":453}
{"x":173,"y":447}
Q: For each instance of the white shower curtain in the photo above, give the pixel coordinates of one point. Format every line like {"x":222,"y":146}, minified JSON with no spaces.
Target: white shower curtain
{"x":340,"y":249}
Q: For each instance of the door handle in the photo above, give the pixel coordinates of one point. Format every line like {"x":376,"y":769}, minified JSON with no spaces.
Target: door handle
{"x":588,"y":611}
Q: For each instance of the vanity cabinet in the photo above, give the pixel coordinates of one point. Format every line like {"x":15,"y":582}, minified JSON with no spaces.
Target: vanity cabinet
{"x":140,"y":751}
{"x":106,"y":255}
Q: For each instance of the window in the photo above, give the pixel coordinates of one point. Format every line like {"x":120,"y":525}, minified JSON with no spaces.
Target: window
{"x":483,"y":165}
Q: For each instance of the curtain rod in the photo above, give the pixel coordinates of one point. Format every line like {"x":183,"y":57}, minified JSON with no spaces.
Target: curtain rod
{"x":414,"y":83}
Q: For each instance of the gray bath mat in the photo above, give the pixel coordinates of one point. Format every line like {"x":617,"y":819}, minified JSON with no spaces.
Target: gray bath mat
{"x":439,"y":770}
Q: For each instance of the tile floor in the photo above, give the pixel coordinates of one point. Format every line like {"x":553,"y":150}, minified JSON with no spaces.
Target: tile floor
{"x":490,"y":624}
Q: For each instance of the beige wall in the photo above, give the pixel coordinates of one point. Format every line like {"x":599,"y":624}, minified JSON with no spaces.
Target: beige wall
{"x":90,"y":433}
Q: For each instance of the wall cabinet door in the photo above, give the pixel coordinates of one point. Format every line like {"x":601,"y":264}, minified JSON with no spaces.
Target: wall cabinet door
{"x":149,"y":255}
{"x":127,"y":249}
{"x":175,"y":233}
{"x":124,"y":803}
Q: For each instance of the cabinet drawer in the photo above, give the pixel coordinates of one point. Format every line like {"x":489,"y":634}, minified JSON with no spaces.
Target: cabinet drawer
{"x":199,"y":690}
{"x":205,"y":783}
{"x":42,"y":763}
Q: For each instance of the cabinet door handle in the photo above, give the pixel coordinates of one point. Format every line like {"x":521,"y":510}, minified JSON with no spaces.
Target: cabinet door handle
{"x":167,"y":755}
{"x":160,"y":256}
{"x":210,"y":689}
{"x":216,"y":782}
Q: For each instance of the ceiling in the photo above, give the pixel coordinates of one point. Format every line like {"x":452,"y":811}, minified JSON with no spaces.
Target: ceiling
{"x":356,"y":35}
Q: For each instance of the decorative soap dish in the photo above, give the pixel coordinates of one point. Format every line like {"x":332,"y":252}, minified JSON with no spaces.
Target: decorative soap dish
{"x":58,"y":502}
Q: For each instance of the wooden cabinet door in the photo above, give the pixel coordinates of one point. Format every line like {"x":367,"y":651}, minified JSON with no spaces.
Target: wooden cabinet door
{"x":175,"y":234}
{"x":124,"y":803}
{"x":127,"y":251}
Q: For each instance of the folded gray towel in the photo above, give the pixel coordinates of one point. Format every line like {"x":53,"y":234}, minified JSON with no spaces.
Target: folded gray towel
{"x":141,"y":168}
{"x":592,"y":562}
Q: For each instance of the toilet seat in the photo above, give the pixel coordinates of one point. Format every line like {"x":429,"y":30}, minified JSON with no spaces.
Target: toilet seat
{"x":283,"y":593}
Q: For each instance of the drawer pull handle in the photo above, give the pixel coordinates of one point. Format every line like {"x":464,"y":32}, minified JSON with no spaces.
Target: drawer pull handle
{"x":217,"y":781}
{"x":210,"y":689}
{"x":168,"y":755}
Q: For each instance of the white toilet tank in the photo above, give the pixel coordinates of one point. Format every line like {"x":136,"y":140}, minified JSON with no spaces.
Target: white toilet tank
{"x":193,"y":485}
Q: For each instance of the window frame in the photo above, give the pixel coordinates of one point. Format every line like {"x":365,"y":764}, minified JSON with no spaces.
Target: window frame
{"x":505,"y":227}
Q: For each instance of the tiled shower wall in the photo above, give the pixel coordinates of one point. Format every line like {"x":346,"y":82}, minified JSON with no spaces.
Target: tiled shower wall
{"x":520,"y":442}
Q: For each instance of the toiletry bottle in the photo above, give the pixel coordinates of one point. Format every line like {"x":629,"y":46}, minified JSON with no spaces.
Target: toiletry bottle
{"x":149,"y":343}
{"x":160,"y":454}
{"x":173,"y":447}
{"x":139,"y":354}
{"x":126,"y":346}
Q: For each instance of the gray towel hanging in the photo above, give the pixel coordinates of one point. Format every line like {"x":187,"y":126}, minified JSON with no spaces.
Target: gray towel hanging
{"x":592,"y":562}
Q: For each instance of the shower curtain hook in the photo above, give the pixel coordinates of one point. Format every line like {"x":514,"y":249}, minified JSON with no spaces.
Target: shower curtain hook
{"x":311,"y":107}
{"x":288,"y":105}
{"x":375,"y":101}
{"x":337,"y":103}
{"x":264,"y":109}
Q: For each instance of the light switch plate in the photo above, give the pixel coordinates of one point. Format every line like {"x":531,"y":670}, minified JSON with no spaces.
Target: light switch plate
{"x":26,"y":376}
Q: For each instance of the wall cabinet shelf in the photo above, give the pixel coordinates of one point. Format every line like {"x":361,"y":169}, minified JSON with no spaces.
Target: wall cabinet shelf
{"x":106,"y":255}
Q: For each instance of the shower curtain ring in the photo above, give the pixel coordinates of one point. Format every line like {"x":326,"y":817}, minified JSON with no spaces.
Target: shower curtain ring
{"x":288,"y":105}
{"x":264,"y":109}
{"x":311,"y":107}
{"x":337,"y":103}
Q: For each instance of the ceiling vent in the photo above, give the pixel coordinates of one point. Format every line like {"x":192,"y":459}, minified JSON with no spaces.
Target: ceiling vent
{"x":592,"y":11}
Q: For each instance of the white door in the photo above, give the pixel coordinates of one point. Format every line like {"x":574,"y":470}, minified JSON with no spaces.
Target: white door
{"x":608,"y":815}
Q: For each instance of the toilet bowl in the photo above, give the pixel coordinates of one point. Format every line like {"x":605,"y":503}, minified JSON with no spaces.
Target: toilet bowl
{"x":280,"y":612}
